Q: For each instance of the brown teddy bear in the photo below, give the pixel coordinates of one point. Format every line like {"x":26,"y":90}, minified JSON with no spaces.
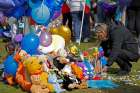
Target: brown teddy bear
{"x":37,"y":87}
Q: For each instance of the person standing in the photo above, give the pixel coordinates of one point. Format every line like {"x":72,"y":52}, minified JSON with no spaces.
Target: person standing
{"x":86,"y":23}
{"x":133,"y":19}
{"x":76,"y":8}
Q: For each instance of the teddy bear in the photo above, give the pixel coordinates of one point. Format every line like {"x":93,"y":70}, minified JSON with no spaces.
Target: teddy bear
{"x":39,"y":78}
{"x":40,"y":84}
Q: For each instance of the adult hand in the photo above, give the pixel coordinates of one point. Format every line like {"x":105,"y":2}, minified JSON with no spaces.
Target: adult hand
{"x":105,"y":68}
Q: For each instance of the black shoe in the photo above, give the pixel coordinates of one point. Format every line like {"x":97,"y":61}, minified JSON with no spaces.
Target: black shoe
{"x":123,"y":73}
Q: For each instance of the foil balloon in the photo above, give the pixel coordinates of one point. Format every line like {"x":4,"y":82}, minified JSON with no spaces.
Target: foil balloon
{"x":35,"y":3}
{"x":58,"y":43}
{"x":45,"y":38}
{"x":41,"y":14}
{"x":65,"y":32}
{"x":54,"y":30}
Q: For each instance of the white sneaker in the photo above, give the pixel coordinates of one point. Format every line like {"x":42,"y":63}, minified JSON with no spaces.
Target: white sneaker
{"x":77,"y":41}
{"x":86,"y":40}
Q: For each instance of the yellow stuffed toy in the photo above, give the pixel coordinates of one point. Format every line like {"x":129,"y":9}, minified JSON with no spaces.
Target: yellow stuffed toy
{"x":39,"y":78}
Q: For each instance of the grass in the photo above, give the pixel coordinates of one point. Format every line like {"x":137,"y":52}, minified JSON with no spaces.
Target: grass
{"x":134,"y":77}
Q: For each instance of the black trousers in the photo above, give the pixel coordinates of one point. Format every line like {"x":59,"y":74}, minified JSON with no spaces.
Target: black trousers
{"x":124,"y":58}
{"x":67,"y":17}
{"x":133,"y":20}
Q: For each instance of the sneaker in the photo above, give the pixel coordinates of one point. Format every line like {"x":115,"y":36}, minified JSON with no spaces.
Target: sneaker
{"x":77,"y":41}
{"x":86,"y":40}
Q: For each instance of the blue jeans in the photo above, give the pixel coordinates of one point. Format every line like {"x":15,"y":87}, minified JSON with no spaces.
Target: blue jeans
{"x":86,"y":26}
{"x":76,"y":19}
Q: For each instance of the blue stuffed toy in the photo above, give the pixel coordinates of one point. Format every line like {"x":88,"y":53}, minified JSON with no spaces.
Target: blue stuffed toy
{"x":52,"y":78}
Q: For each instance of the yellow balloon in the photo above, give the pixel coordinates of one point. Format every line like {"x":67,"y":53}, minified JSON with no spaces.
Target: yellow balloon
{"x":54,"y":30}
{"x":65,"y":32}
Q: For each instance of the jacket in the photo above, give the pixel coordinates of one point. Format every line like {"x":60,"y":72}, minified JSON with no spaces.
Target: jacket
{"x":119,"y":38}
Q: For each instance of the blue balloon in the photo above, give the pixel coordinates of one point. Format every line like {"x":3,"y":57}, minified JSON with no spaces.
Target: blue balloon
{"x":17,"y":12}
{"x":58,"y":4}
{"x":41,"y":14}
{"x":19,"y":2}
{"x":30,"y":42}
{"x":10,"y":66}
{"x":50,"y":3}
{"x":4,"y":4}
{"x":35,"y":3}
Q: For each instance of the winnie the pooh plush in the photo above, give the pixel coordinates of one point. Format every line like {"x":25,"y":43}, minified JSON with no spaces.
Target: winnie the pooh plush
{"x":39,"y":78}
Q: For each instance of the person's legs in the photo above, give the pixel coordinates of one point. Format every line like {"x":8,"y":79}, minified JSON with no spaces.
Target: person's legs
{"x":70,"y":24}
{"x":76,"y":25}
{"x":131,"y":21}
{"x":86,"y":28}
{"x":69,"y":21}
{"x":123,"y":60}
{"x":65,"y":18}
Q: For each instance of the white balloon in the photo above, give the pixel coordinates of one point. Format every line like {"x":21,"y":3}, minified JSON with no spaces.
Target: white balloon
{"x":58,"y":43}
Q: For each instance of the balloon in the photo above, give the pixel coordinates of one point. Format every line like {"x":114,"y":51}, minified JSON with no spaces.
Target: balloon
{"x":50,"y":3}
{"x":58,"y":43}
{"x":56,"y":15}
{"x":19,"y":2}
{"x":30,"y":42}
{"x":54,"y":30}
{"x":17,"y":12}
{"x":54,"y":3}
{"x":9,"y":4}
{"x":5,"y":4}
{"x":2,"y":18}
{"x":58,"y":4}
{"x":65,"y":32}
{"x":18,"y":38}
{"x":45,"y":38}
{"x":10,"y":66}
{"x":35,"y":4}
{"x":41,"y":14}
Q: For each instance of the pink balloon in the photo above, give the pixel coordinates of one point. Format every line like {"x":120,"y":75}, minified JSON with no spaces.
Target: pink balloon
{"x":45,"y":39}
